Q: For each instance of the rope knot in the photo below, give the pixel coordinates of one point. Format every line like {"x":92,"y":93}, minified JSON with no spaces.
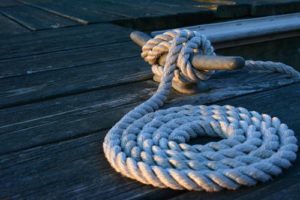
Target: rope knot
{"x":149,"y":144}
{"x":186,"y":42}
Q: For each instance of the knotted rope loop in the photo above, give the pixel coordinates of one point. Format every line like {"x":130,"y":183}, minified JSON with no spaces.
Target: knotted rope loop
{"x":193,"y":42}
{"x":150,"y":145}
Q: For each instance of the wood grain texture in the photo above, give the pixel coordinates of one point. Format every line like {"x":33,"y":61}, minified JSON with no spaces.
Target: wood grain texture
{"x":76,"y":168}
{"x":61,"y":39}
{"x":94,"y":11}
{"x":6,"y":3}
{"x":284,"y":50}
{"x":69,"y":93}
{"x":68,"y":117}
{"x":36,"y":87}
{"x":254,"y":8}
{"x":87,"y":11}
{"x":67,"y":59}
{"x":269,"y":7}
{"x":71,"y":116}
{"x":36,"y":19}
{"x":162,"y":14}
{"x":68,"y":170}
{"x":59,"y":71}
{"x":9,"y":27}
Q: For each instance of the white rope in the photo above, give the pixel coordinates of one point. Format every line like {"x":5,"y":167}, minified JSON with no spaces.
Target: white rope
{"x":150,"y":145}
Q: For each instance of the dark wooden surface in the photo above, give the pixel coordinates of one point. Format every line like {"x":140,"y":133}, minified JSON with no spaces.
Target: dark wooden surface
{"x":63,"y":86}
{"x":34,"y":18}
{"x":76,"y":167}
{"x":9,"y":27}
{"x":141,"y":14}
{"x":5,"y":3}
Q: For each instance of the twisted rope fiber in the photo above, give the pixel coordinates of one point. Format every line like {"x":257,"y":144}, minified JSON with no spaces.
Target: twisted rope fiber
{"x":150,"y":145}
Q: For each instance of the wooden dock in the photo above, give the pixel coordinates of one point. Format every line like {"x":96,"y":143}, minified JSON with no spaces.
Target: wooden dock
{"x":65,"y":80}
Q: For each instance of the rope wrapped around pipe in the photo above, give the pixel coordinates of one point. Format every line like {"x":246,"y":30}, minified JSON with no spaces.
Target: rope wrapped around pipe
{"x":149,"y":144}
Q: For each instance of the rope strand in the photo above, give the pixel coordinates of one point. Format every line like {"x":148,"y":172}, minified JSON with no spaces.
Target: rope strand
{"x":150,"y":145}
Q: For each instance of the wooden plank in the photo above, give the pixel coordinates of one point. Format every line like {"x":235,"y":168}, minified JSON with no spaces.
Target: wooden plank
{"x":9,"y":27}
{"x":66,"y":59}
{"x":88,"y":11}
{"x":157,"y":15}
{"x":270,"y":7}
{"x":252,"y":8}
{"x":79,"y":170}
{"x":35,"y":19}
{"x":134,"y":9}
{"x":285,"y":186}
{"x":68,"y":117}
{"x":291,"y":191}
{"x":284,"y":50}
{"x":51,"y":83}
{"x":145,"y":15}
{"x":5,"y":3}
{"x":248,"y":28}
{"x":233,"y":11}
{"x":71,"y":116}
{"x":36,"y":87}
{"x":76,"y":168}
{"x":162,"y":7}
{"x":167,"y":14}
{"x":61,"y":39}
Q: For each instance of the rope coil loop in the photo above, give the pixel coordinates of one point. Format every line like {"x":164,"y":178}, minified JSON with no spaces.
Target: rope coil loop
{"x":150,"y":144}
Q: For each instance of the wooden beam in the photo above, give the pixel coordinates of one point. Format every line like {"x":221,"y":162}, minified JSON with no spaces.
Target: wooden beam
{"x":248,"y":31}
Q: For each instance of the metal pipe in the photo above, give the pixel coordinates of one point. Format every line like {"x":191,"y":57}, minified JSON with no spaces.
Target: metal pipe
{"x":201,"y":62}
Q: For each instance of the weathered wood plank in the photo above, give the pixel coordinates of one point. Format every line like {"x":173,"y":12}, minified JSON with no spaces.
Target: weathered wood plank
{"x":161,"y":7}
{"x":270,"y":7}
{"x":143,"y":15}
{"x":66,"y":59}
{"x":9,"y":27}
{"x":50,"y":61}
{"x":290,"y":192}
{"x":68,"y":117}
{"x":67,"y":170}
{"x":284,"y":50}
{"x":77,"y":168}
{"x":35,"y":19}
{"x":254,"y":8}
{"x":283,"y":187}
{"x":233,"y":11}
{"x":95,"y":11}
{"x":83,"y":12}
{"x":89,"y":10}
{"x":51,"y":83}
{"x":178,"y":13}
{"x":71,"y":116}
{"x":36,"y":87}
{"x":5,"y":3}
{"x":61,"y":39}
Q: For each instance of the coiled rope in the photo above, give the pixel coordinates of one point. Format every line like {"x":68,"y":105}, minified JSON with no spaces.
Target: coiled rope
{"x":150,"y":145}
